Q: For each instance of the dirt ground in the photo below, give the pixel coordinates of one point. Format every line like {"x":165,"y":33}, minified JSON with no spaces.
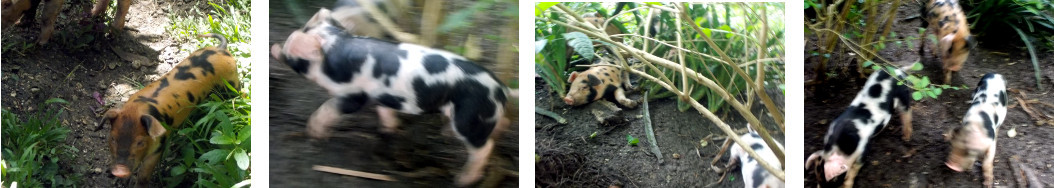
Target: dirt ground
{"x":569,"y":158}
{"x":920,"y":162}
{"x":60,"y":70}
{"x":425,"y":152}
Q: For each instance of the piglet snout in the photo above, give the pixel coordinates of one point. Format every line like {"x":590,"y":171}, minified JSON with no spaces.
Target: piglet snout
{"x":121,"y":171}
{"x":954,"y":167}
{"x":569,"y":101}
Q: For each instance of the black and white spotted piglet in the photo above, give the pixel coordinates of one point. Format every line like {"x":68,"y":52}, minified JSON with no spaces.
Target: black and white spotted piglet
{"x":753,"y":174}
{"x":406,"y":78}
{"x":977,"y":134}
{"x":848,"y":135}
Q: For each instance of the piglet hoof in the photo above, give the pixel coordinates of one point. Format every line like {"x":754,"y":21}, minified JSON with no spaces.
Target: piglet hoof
{"x":906,"y":138}
{"x":988,"y":182}
{"x":317,"y":132}
{"x":631,"y":104}
{"x":468,"y":178}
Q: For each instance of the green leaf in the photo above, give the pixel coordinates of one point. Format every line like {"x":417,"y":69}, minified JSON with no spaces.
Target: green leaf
{"x":581,"y":43}
{"x":56,"y":100}
{"x":542,"y":6}
{"x":931,"y":94}
{"x":868,"y":63}
{"x":916,"y":67}
{"x":924,"y":82}
{"x":654,"y":3}
{"x":632,"y":141}
{"x":916,"y":95}
{"x":178,"y":170}
{"x":709,"y":34}
{"x":214,"y":156}
{"x":241,"y":158}
{"x":726,"y":28}
{"x":937,"y":91}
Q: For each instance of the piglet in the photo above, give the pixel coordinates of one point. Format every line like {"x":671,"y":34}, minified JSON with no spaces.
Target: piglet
{"x":753,"y":174}
{"x":848,"y":135}
{"x":26,"y":11}
{"x":977,"y":135}
{"x":400,"y":77}
{"x":599,"y":82}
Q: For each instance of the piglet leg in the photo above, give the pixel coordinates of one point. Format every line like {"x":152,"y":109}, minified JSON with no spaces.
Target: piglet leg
{"x":326,"y":115}
{"x":851,"y":175}
{"x":389,"y":119}
{"x":905,"y":121}
{"x":620,"y":95}
{"x":987,"y":165}
{"x":477,"y":160}
{"x":51,"y":12}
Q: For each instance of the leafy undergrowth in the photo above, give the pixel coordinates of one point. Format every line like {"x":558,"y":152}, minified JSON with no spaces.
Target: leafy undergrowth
{"x":34,"y":149}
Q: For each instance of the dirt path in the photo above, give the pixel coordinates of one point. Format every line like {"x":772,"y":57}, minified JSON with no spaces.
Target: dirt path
{"x":61,"y":70}
{"x":569,"y":158}
{"x":920,"y":162}
{"x":425,"y":153}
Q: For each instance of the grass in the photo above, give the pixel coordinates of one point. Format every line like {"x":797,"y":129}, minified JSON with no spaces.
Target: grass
{"x":217,"y":150}
{"x":34,"y":149}
{"x":1034,"y":16}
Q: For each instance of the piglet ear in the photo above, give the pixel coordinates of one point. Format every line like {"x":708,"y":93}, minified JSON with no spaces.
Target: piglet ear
{"x":153,"y":127}
{"x":108,"y":117}
{"x":572,"y":77}
{"x":318,"y":18}
{"x":971,"y":42}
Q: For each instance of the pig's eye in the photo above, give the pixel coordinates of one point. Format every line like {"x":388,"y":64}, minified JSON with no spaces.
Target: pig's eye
{"x":140,"y":143}
{"x":844,"y":167}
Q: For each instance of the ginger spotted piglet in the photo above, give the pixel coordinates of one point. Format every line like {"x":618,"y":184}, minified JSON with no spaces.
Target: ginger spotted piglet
{"x":138,"y":128}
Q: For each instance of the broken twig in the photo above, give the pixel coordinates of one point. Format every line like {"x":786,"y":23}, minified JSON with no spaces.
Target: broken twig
{"x":352,"y":173}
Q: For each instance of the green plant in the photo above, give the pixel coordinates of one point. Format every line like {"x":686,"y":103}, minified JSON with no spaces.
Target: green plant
{"x":218,"y":143}
{"x":217,"y":137}
{"x":34,"y":150}
{"x":632,"y":141}
{"x":1035,"y":15}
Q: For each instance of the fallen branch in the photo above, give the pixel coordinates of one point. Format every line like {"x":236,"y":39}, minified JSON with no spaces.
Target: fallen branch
{"x":347,"y":172}
{"x":550,"y":114}
{"x":649,"y":131}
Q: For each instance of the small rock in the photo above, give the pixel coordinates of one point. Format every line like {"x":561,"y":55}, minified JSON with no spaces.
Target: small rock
{"x":112,"y":65}
{"x":34,"y":89}
{"x":97,"y":170}
{"x":676,"y":156}
{"x":13,"y":94}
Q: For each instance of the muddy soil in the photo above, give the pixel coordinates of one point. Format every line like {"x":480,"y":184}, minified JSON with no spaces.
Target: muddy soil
{"x":62,"y":69}
{"x":920,"y":162}
{"x":570,"y":158}
{"x":424,"y":153}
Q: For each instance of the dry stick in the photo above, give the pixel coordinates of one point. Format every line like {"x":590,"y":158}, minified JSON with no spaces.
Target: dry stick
{"x":550,"y":114}
{"x":767,"y":101}
{"x":680,"y":57}
{"x":352,"y":173}
{"x":386,"y":22}
{"x":720,"y":124}
{"x":735,"y":103}
{"x":649,"y":58}
{"x":1019,"y":176}
{"x":648,"y":130}
{"x":432,"y":13}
